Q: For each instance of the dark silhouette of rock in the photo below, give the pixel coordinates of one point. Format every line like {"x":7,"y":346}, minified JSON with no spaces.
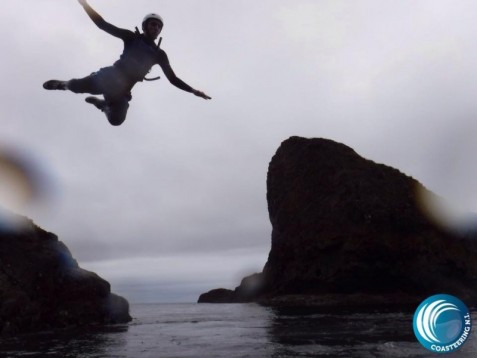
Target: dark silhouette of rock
{"x":42,"y":287}
{"x":218,"y":295}
{"x":347,"y":230}
{"x":248,"y":291}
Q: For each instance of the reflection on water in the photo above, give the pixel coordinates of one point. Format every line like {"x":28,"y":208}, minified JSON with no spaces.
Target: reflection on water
{"x":312,"y":332}
{"x":248,"y":330}
{"x":305,"y":326}
{"x":93,"y":342}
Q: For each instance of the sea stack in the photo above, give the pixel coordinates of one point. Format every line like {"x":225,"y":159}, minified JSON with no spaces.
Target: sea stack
{"x":346,"y":230}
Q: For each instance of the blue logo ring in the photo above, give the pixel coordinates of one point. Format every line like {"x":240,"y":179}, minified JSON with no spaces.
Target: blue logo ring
{"x":442,"y":323}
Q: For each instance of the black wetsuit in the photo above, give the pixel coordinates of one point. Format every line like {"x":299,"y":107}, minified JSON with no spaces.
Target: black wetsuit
{"x":115,"y":82}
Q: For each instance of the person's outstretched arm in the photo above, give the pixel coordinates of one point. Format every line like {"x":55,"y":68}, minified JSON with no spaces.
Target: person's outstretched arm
{"x":176,"y":81}
{"x":201,"y":94}
{"x":103,"y":24}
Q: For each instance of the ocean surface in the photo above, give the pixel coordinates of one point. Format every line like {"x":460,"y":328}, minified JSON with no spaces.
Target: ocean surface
{"x":235,"y":330}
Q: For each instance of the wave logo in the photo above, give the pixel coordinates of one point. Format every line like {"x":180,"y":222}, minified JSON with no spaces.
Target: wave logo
{"x":442,"y":323}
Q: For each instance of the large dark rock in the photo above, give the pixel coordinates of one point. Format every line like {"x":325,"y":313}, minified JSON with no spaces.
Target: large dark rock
{"x":42,"y":287}
{"x":344,"y":226}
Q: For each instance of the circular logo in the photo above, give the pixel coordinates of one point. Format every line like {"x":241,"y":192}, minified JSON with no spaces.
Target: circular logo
{"x":442,"y":323}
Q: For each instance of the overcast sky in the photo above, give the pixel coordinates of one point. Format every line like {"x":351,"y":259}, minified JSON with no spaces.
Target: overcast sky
{"x":173,"y":202}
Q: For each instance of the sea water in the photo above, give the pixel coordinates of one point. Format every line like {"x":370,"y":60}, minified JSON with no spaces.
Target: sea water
{"x":235,"y":330}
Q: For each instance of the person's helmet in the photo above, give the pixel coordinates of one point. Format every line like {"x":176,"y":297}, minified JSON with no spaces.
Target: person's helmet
{"x":151,"y":16}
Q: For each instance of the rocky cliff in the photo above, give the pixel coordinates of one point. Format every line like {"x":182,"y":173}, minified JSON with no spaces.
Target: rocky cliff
{"x":42,"y":287}
{"x":348,"y":230}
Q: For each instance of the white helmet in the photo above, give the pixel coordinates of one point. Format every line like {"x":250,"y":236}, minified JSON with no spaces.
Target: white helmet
{"x":151,"y":16}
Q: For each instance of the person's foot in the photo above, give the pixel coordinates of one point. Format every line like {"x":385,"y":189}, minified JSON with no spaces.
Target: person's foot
{"x":55,"y":85}
{"x":98,"y":103}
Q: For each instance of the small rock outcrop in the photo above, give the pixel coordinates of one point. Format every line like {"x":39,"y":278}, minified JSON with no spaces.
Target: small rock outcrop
{"x":344,"y":226}
{"x":249,"y":289}
{"x":42,"y":287}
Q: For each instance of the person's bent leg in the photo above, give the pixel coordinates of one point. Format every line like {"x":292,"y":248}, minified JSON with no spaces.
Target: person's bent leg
{"x":116,"y":111}
{"x":100,"y":104}
{"x":88,"y":84}
{"x":55,"y":85}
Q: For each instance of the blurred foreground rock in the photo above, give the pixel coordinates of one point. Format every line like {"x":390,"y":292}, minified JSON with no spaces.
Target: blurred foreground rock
{"x":346,"y":230}
{"x":42,"y":287}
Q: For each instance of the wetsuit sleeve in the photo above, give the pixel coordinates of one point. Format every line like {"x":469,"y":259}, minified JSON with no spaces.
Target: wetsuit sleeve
{"x":106,"y":26}
{"x":163,"y":61}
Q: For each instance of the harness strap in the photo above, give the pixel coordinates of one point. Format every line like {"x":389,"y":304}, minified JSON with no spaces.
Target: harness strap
{"x":158,"y":47}
{"x":152,"y":79}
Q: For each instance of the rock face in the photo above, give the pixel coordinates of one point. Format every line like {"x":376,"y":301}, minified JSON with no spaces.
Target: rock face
{"x":346,"y":226}
{"x":42,"y":287}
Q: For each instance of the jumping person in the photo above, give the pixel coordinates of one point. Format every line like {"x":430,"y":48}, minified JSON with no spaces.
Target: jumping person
{"x":115,"y":82}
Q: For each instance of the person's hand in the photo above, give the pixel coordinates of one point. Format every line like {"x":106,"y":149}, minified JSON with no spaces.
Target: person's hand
{"x":201,"y":94}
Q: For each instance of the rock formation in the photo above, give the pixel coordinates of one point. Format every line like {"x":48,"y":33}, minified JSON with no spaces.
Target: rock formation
{"x":42,"y":287}
{"x":348,"y":230}
{"x":248,"y":291}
